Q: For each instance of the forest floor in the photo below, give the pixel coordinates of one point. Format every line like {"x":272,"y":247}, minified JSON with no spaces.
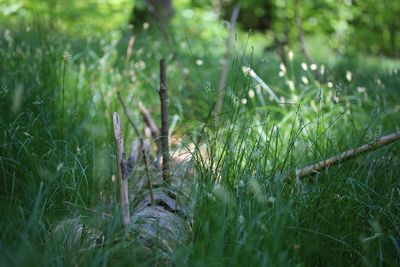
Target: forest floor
{"x":57,"y":154}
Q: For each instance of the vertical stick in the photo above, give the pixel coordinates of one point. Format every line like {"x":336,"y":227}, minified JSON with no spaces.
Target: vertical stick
{"x":144,"y":155}
{"x":123,"y":181}
{"x":164,"y":121}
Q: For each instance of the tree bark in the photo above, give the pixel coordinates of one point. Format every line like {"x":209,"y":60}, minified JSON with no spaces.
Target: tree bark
{"x":164,"y":121}
{"x":122,"y":177}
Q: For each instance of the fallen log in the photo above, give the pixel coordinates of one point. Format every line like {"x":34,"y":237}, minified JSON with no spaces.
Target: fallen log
{"x":159,"y":218}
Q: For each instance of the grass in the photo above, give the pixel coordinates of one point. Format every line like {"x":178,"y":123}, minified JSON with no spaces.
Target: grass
{"x":58,"y":200}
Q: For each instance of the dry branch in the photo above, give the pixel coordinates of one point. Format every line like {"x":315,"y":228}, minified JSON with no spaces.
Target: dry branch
{"x":123,"y":179}
{"x":155,"y":132}
{"x":349,"y":154}
{"x":255,"y":77}
{"x":142,"y":146}
{"x":224,"y":65}
{"x":164,"y":121}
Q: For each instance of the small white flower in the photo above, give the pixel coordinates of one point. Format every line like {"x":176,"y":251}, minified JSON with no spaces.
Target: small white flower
{"x":330,"y":84}
{"x":251,"y":93}
{"x":304,"y":80}
{"x":304,"y":66}
{"x":199,"y":62}
{"x":361,"y":89}
{"x":290,"y":84}
{"x":186,"y":71}
{"x":290,"y":55}
{"x":322,"y":69}
{"x":349,"y":76}
{"x":281,"y":74}
{"x":146,"y":26}
{"x":313,"y":67}
{"x":244,"y":101}
{"x":336,"y":98}
{"x":282,"y":67}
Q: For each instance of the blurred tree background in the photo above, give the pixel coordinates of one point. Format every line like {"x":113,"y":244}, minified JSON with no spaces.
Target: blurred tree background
{"x":345,"y":26}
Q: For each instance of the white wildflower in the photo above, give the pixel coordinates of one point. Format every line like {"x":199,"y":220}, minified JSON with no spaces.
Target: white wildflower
{"x":146,"y":26}
{"x":251,"y":93}
{"x":304,"y":66}
{"x":361,"y":89}
{"x":322,"y":69}
{"x":304,"y":80}
{"x":290,"y":83}
{"x":243,"y":101}
{"x":199,"y":62}
{"x":186,"y":71}
{"x":349,"y":76}
{"x":313,"y":67}
{"x":290,"y":55}
{"x":282,"y":67}
{"x":330,"y":84}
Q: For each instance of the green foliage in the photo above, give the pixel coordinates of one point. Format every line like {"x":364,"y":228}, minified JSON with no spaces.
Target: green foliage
{"x":59,"y":201}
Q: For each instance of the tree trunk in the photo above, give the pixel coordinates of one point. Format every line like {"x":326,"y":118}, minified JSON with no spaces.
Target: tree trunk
{"x":159,"y":10}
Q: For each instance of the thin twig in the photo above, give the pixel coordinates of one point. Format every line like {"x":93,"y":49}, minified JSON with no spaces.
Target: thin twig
{"x":259,"y":81}
{"x":155,"y":132}
{"x":149,"y":185}
{"x":224,"y":65}
{"x":164,"y":121}
{"x":129,"y":50}
{"x":123,"y":181}
{"x":349,"y":154}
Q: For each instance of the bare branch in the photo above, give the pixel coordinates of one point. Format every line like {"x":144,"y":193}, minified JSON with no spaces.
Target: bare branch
{"x":144,"y":155}
{"x":164,"y":121}
{"x":155,"y":132}
{"x":349,"y":154}
{"x":255,"y":77}
{"x":123,"y":181}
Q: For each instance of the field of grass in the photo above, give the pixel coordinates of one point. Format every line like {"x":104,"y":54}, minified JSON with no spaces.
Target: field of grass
{"x":57,"y":156}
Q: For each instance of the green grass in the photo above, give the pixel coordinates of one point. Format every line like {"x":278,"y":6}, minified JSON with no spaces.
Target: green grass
{"x":58,"y":201}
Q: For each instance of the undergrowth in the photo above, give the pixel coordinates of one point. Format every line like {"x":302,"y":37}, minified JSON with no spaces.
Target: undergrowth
{"x":59,"y":198}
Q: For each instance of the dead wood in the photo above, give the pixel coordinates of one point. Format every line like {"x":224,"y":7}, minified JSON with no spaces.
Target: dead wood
{"x":314,"y":168}
{"x":164,"y":121}
{"x":155,"y":132}
{"x":122,"y":175}
{"x":142,"y":146}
